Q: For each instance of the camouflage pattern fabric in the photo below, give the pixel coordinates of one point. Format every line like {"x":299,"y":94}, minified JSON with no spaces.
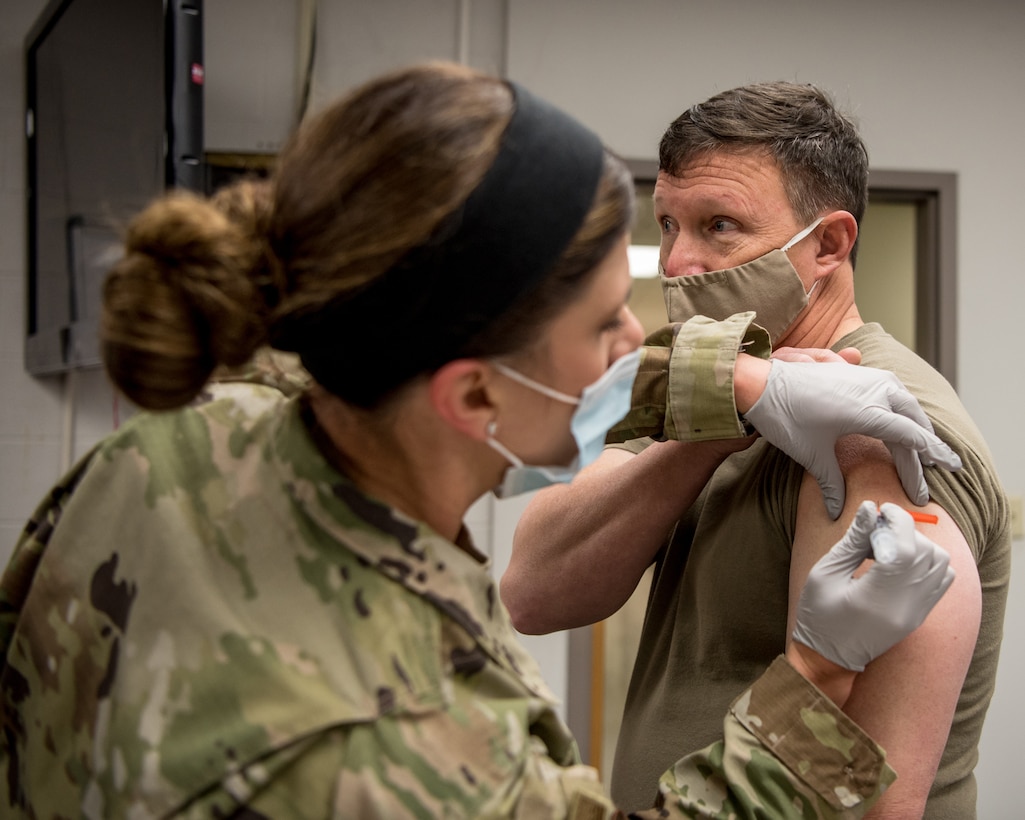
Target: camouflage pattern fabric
{"x":684,"y":388}
{"x":270,"y":367}
{"x":206,"y":620}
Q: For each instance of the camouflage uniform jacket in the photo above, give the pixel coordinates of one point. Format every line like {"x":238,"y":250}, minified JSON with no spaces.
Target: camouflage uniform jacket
{"x":205,"y":619}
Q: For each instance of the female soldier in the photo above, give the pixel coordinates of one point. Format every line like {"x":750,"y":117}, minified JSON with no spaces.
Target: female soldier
{"x":256,"y":605}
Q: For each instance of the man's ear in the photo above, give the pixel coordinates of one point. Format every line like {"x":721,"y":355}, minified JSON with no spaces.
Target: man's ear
{"x":460,"y":392}
{"x":839,"y":232}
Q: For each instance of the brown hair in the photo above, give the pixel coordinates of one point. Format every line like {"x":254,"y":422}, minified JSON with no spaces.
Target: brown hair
{"x":822,"y":159}
{"x":203,"y":281}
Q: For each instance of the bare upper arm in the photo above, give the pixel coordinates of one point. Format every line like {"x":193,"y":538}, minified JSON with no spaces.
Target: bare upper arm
{"x":905,"y":698}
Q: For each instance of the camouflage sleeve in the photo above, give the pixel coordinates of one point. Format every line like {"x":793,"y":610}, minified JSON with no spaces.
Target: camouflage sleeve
{"x":410,"y":767}
{"x":787,"y":751}
{"x":21,"y":568}
{"x":684,"y":389}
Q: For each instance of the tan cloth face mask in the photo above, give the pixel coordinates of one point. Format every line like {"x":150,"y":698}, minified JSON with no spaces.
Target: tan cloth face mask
{"x":768,"y":285}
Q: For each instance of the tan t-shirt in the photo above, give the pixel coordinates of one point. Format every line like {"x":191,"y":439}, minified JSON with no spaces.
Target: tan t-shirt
{"x":717,"y":610}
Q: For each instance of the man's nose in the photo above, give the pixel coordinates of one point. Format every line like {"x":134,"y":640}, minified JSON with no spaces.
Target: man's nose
{"x":681,"y":259}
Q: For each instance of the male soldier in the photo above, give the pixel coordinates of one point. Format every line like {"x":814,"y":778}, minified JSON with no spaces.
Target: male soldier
{"x":759,"y":196}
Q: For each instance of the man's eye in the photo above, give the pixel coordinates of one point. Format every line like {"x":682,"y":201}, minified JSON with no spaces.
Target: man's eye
{"x":665,"y":224}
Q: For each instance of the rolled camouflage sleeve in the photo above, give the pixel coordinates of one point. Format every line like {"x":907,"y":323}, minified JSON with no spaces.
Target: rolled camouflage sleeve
{"x":684,"y":388}
{"x":788,"y":751}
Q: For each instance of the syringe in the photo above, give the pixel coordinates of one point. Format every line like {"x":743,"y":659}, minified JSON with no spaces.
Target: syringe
{"x":883,"y":540}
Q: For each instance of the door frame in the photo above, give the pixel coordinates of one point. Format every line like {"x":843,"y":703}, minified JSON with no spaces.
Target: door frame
{"x":934,"y":195}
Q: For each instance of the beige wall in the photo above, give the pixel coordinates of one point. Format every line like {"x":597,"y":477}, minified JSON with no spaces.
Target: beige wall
{"x":884,"y":283}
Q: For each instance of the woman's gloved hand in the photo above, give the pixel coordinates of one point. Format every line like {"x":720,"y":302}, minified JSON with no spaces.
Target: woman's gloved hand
{"x":851,"y":621}
{"x":807,"y":406}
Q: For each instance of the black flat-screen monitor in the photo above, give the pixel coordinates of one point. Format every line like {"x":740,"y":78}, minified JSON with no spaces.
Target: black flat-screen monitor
{"x":114,"y":117}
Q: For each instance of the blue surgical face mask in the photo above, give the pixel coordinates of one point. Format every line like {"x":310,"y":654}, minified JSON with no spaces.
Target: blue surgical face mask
{"x":599,"y":407}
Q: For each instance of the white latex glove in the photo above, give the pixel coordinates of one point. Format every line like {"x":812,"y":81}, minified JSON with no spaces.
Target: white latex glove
{"x":852,"y":621}
{"x":806,"y":407}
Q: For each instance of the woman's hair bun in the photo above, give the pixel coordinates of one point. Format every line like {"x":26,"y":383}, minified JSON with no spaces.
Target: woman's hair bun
{"x":184,"y":298}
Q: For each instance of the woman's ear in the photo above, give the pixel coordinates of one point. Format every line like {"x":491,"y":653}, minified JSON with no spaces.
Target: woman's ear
{"x":461,"y":394}
{"x":839,"y":232}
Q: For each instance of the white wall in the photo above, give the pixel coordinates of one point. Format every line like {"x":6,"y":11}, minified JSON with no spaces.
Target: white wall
{"x":935,"y":85}
{"x":251,"y":96}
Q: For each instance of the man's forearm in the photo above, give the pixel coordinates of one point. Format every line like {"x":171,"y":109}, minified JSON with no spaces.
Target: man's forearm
{"x":749,"y":377}
{"x":832,"y":680}
{"x":580,"y":549}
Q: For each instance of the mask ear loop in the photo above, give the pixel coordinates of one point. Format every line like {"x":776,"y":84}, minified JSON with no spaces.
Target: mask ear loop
{"x":797,"y":238}
{"x":543,"y":389}
{"x":497,"y":446}
{"x":801,"y":235}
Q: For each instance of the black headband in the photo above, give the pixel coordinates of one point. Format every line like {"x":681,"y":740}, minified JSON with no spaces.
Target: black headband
{"x":484,"y":257}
